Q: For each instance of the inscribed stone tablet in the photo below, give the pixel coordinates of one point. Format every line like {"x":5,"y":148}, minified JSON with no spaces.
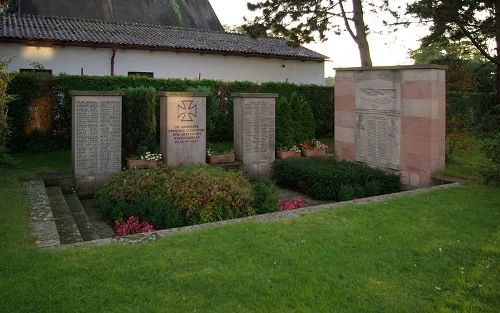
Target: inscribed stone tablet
{"x":183,"y":128}
{"x":96,"y":136}
{"x":254,"y":132}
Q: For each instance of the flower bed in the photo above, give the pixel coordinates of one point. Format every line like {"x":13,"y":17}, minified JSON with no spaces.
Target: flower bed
{"x":329,"y":179}
{"x":173,"y":197}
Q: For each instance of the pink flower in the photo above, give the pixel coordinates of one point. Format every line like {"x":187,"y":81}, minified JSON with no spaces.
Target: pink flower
{"x":132,"y":226}
{"x":292,"y":204}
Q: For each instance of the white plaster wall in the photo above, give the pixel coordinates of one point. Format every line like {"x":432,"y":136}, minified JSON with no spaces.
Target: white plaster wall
{"x":163,"y":64}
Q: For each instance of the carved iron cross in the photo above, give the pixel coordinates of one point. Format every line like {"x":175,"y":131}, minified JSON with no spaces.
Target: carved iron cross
{"x":186,"y":111}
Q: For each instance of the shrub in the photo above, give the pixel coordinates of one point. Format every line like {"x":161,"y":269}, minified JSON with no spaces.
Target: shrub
{"x":294,"y":121}
{"x":139,"y":119}
{"x":30,"y":86}
{"x":323,"y":178}
{"x":346,"y":192}
{"x":5,"y":98}
{"x":207,"y":194}
{"x":264,"y":198}
{"x":171,"y":197}
{"x":492,"y":151}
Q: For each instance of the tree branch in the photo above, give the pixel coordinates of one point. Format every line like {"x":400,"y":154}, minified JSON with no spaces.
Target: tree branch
{"x":476,"y":44}
{"x":346,"y":21}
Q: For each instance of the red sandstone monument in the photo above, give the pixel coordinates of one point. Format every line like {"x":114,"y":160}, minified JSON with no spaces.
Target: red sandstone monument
{"x":393,"y":118}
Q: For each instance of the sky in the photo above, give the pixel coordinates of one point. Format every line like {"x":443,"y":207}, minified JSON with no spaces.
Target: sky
{"x":386,"y":48}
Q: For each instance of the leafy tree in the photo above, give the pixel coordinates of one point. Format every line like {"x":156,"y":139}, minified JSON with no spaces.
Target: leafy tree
{"x":470,"y":22}
{"x":468,"y":70}
{"x":299,"y":21}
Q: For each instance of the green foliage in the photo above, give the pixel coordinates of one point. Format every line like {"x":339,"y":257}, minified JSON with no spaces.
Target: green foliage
{"x":346,"y":192}
{"x":323,"y":178}
{"x":492,"y":151}
{"x":170,"y":197}
{"x":29,"y":86}
{"x":5,"y":98}
{"x":264,"y":198}
{"x":318,"y":98}
{"x":139,"y":119}
{"x":207,"y":194}
{"x":469,"y":23}
{"x":468,"y":71}
{"x":294,"y":121}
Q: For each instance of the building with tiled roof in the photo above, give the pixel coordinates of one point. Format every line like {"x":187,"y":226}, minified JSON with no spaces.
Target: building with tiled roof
{"x":79,"y":46}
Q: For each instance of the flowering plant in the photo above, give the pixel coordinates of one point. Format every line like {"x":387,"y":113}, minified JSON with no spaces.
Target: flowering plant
{"x":151,"y":156}
{"x":218,"y":148}
{"x":313,"y":145}
{"x":292,"y":204}
{"x":132,"y":226}
{"x":294,"y":148}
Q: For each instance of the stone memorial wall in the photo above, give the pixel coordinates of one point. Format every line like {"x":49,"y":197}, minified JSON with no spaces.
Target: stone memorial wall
{"x":393,"y":118}
{"x":254,"y":132}
{"x":96,"y":137}
{"x":183,"y":127}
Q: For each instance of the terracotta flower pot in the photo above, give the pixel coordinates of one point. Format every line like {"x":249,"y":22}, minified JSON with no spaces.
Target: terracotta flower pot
{"x":141,"y":164}
{"x":220,"y":158}
{"x":314,"y":153}
{"x":284,"y":155}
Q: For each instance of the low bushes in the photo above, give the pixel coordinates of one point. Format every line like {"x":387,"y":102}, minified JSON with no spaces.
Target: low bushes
{"x":173,"y":197}
{"x":329,"y":179}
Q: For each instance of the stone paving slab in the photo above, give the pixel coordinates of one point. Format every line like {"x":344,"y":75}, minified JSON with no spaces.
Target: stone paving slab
{"x":265,"y":218}
{"x":42,"y":223}
{"x":66,"y":225}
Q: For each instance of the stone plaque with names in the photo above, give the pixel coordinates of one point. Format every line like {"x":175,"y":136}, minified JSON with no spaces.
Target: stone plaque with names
{"x":96,"y":136}
{"x":254,"y":132}
{"x":183,"y":127}
{"x":378,"y":127}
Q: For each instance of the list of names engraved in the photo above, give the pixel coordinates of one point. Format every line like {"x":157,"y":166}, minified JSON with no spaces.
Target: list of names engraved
{"x":97,"y":136}
{"x":259,"y":126}
{"x":377,"y":141}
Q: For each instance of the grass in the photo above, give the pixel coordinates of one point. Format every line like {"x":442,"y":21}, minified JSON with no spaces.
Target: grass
{"x":470,"y":163}
{"x":436,"y":252}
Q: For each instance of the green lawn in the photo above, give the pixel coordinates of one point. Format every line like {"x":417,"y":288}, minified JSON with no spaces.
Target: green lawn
{"x":437,"y":252}
{"x":469,"y":163}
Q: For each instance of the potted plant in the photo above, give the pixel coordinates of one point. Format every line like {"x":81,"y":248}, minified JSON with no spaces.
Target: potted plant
{"x":284,"y":153}
{"x":219,"y":154}
{"x":144,"y":160}
{"x":313,"y":148}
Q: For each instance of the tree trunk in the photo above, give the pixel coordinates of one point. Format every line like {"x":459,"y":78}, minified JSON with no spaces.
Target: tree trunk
{"x":361,"y":37}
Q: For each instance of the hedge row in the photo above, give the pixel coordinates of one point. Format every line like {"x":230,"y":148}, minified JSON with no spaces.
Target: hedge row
{"x":329,"y":179}
{"x":36,"y":88}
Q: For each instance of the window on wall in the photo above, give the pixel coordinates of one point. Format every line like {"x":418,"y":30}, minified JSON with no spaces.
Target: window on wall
{"x":142,"y":74}
{"x":35,"y":70}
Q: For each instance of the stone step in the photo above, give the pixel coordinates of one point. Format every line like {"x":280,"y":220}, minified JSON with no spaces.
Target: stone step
{"x":66,"y":225}
{"x":42,"y":222}
{"x":235,"y":166}
{"x":66,"y":181}
{"x":102,"y":229}
{"x":81,"y":218}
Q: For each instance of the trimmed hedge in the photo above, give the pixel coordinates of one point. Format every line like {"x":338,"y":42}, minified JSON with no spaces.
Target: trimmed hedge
{"x":329,"y":179}
{"x":294,"y":121}
{"x":30,"y":86}
{"x":139,"y":120}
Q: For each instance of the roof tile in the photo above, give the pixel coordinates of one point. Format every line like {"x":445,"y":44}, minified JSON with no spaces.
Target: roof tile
{"x":78,"y":31}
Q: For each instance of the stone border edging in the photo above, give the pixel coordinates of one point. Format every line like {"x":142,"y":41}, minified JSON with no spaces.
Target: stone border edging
{"x":270,"y":217}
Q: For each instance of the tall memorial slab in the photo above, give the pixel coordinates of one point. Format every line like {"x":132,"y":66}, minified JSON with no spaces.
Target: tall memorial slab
{"x":393,"y":118}
{"x":183,"y":135}
{"x":96,"y":138}
{"x":254,"y":132}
